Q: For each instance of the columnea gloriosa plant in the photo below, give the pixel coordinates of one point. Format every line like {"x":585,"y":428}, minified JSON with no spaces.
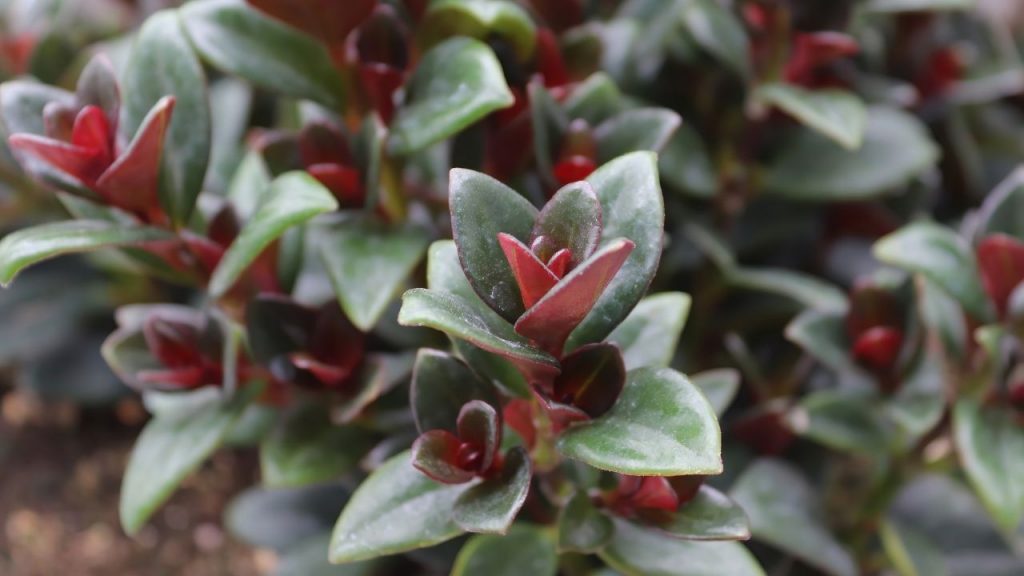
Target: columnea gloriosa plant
{"x":433,"y":259}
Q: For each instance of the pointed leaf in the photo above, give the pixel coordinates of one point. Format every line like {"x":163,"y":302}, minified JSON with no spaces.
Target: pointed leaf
{"x":456,"y":84}
{"x":457,"y":317}
{"x":581,"y":527}
{"x":719,"y":387}
{"x":841,"y":421}
{"x":650,"y":334}
{"x":441,"y":386}
{"x":638,"y":550}
{"x":98,"y":86}
{"x":632,"y":207}
{"x":436,"y":454}
{"x":635,"y":130}
{"x":710,"y":515}
{"x":482,"y":20}
{"x":553,"y":318}
{"x":491,"y":506}
{"x":896,"y":149}
{"x":368,"y":263}
{"x":532,"y":276}
{"x":990,"y":442}
{"x":718,"y":31}
{"x":75,"y":161}
{"x":783,"y":512}
{"x":395,"y":510}
{"x":237,"y":39}
{"x":293,"y":199}
{"x":592,"y":378}
{"x":571,"y":219}
{"x":133,"y":181}
{"x":169,"y":449}
{"x":661,"y":426}
{"x":482,"y":207}
{"x":838,"y":114}
{"x":479,"y":425}
{"x":942,"y":257}
{"x":380,"y":373}
{"x":28,"y":246}
{"x":22,"y":103}
{"x":163,"y":64}
{"x":525,"y":550}
{"x":298,"y":513}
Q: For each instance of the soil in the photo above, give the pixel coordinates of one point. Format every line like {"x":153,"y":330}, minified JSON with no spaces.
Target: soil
{"x":60,"y":473}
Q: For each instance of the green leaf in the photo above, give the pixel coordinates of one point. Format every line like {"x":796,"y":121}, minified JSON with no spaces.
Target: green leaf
{"x":307,"y":558}
{"x":595,"y":100}
{"x":910,"y":552}
{"x":1002,"y":211}
{"x":718,"y":31}
{"x":249,"y":185}
{"x":841,"y":421}
{"x":823,"y":336}
{"x":527,"y":549}
{"x":293,"y":199}
{"x":298,"y":515}
{"x":719,"y":386}
{"x":942,"y":257}
{"x":381,"y":372}
{"x":482,"y":207}
{"x":457,"y":317}
{"x":171,"y":446}
{"x":632,"y":207}
{"x":482,"y":20}
{"x":491,"y":506}
{"x":395,"y":510}
{"x":661,"y":425}
{"x":441,"y":386}
{"x":784,"y":512}
{"x":241,"y":41}
{"x":368,"y":263}
{"x":571,"y":219}
{"x":896,"y":149}
{"x":808,"y":290}
{"x":838,"y":114}
{"x":455,"y":84}
{"x":710,"y":515}
{"x":889,"y":6}
{"x":581,"y":527}
{"x":162,"y":63}
{"x":920,"y":403}
{"x":634,"y":130}
{"x":307,"y":448}
{"x":685,"y":165}
{"x":990,"y":442}
{"x":650,"y":334}
{"x":28,"y":246}
{"x":22,"y":103}
{"x":638,"y":551}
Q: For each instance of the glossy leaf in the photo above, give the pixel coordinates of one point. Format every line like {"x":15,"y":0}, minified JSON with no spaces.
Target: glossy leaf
{"x":719,"y":31}
{"x":532,"y":275}
{"x":527,"y":549}
{"x":457,"y":317}
{"x":990,"y":442}
{"x":482,"y":20}
{"x":888,"y":6}
{"x":572,"y":220}
{"x":368,"y":263}
{"x":661,"y":426}
{"x":719,"y":386}
{"x":28,"y":246}
{"x":637,"y":550}
{"x":710,"y":515}
{"x":163,"y":64}
{"x":169,"y":449}
{"x":441,"y":385}
{"x":237,"y":39}
{"x":650,"y":334}
{"x":293,"y":199}
{"x":896,"y":149}
{"x":634,"y":130}
{"x":581,"y":527}
{"x":838,"y":114}
{"x":455,"y":84}
{"x":632,"y":206}
{"x":481,"y":208}
{"x":22,"y":103}
{"x":395,"y":510}
{"x":942,"y":257}
{"x":491,"y":506}
{"x":784,"y":513}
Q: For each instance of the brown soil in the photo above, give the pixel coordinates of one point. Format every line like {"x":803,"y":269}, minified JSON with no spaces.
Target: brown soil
{"x":60,"y":473}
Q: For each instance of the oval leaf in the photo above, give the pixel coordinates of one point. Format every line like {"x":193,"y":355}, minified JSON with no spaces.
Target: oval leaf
{"x":635,"y":130}
{"x":650,"y":334}
{"x":441,"y":386}
{"x":838,"y":114}
{"x":491,"y":506}
{"x":525,"y":550}
{"x":637,"y":550}
{"x":710,"y":515}
{"x":990,"y":443}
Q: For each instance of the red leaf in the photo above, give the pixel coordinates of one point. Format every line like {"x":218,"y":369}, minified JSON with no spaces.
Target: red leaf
{"x":559,"y":263}
{"x":650,"y":493}
{"x":554,"y":317}
{"x":878,"y":349}
{"x":328,"y":375}
{"x":59,"y":120}
{"x":550,"y":64}
{"x":573,"y":169}
{"x":533,"y":277}
{"x":132,"y":182}
{"x":518,"y":415}
{"x":480,"y":429}
{"x":815,"y":50}
{"x":765,"y":430}
{"x":592,"y":378}
{"x":1001,"y":260}
{"x":330,"y":21}
{"x":380,"y":82}
{"x":174,"y":342}
{"x":92,"y":131}
{"x":82,"y":163}
{"x":344,"y":182}
{"x":435,"y":453}
{"x":179,"y":378}
{"x":322,"y":143}
{"x":871,"y":306}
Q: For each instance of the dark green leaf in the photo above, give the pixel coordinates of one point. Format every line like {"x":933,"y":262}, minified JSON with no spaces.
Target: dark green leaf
{"x":632,"y":207}
{"x":581,"y":527}
{"x":491,"y":506}
{"x":641,"y":551}
{"x":635,"y":130}
{"x":650,"y":334}
{"x":239,"y":40}
{"x":395,"y":510}
{"x":719,"y":386}
{"x":455,"y":84}
{"x":595,"y":100}
{"x":307,"y":558}
{"x":162,"y":63}
{"x":841,"y":421}
{"x":368,"y":263}
{"x":293,"y":199}
{"x":838,"y":114}
{"x":661,"y":426}
{"x":571,"y":219}
{"x":990,"y":442}
{"x":711,"y":515}
{"x":22,"y":103}
{"x":441,"y":386}
{"x":381,"y":372}
{"x":685,"y":165}
{"x":483,"y":20}
{"x":28,"y":246}
{"x":298,"y":514}
{"x":887,"y":6}
{"x":527,"y":549}
{"x":717,"y":30}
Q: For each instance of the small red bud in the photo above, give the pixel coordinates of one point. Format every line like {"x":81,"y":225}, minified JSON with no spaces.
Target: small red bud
{"x":878,"y":349}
